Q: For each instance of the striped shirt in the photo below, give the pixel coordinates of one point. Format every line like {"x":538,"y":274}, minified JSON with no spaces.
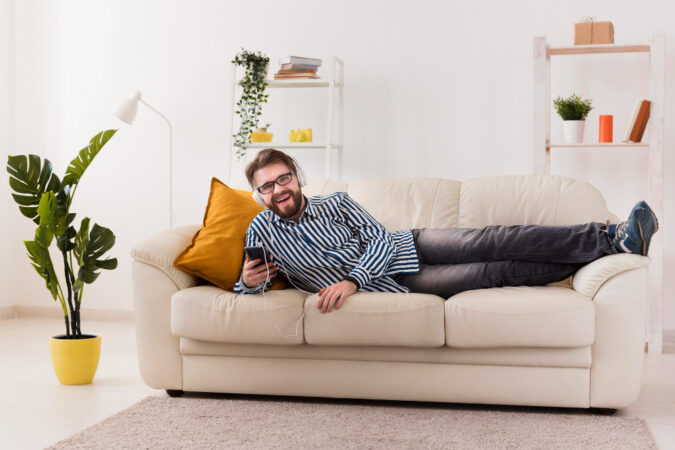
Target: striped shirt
{"x":332,"y":238}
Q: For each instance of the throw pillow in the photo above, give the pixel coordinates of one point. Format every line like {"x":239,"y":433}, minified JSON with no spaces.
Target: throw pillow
{"x":216,"y":253}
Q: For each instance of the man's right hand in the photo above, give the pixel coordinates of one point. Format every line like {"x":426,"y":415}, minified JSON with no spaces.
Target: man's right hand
{"x":252,"y":276}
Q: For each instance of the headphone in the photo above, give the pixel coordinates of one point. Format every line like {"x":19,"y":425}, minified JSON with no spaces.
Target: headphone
{"x":302,"y":179}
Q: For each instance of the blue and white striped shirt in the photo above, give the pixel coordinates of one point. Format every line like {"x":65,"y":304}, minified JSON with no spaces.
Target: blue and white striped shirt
{"x":332,"y":238}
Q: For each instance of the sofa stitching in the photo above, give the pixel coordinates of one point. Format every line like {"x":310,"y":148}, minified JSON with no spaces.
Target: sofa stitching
{"x":557,"y":202}
{"x":433,"y":202}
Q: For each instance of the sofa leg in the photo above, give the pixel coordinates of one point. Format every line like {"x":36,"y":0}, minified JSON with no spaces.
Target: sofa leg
{"x":175,"y":392}
{"x":604,"y":411}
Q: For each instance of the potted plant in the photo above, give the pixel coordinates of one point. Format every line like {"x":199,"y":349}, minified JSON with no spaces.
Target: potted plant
{"x":46,"y":200}
{"x":261,"y":134}
{"x":252,"y":96}
{"x":573,"y":111}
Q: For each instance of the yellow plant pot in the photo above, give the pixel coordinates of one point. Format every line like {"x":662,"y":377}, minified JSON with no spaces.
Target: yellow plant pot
{"x":75,"y":360}
{"x":259,"y":136}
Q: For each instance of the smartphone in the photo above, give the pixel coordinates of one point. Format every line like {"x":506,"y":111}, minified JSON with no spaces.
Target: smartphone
{"x":256,"y":253}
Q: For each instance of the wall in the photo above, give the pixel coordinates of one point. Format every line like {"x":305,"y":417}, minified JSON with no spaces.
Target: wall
{"x":7,"y":127}
{"x":440,"y":89}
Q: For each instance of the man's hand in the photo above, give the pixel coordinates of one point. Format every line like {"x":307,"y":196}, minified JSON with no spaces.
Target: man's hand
{"x":255,"y":272}
{"x":333,"y":295}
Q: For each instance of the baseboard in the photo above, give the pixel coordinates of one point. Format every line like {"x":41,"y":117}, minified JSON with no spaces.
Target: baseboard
{"x":15,"y":311}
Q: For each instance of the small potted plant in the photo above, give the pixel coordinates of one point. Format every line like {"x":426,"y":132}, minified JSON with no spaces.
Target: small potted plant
{"x":261,"y":134}
{"x":573,"y":111}
{"x":46,"y":200}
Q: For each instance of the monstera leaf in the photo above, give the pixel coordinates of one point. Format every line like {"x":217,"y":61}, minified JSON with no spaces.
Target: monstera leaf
{"x":85,"y":157}
{"x":29,"y":178}
{"x":56,"y":220}
{"x":89,"y":247}
{"x":38,"y":252}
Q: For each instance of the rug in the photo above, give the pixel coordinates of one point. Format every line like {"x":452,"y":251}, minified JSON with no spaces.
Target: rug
{"x":199,"y":420}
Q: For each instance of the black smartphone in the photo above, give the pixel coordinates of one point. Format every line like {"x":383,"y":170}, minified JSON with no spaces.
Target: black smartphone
{"x":256,"y":253}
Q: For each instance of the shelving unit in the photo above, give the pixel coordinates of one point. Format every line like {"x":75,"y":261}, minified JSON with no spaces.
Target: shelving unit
{"x":542,"y":146}
{"x":335,"y":95}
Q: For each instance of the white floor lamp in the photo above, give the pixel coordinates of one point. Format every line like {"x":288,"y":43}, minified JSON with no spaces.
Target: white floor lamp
{"x":126,"y":112}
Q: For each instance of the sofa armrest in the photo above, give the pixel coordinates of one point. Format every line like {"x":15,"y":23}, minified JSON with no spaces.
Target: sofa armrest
{"x":161,"y":250}
{"x":593,"y":275}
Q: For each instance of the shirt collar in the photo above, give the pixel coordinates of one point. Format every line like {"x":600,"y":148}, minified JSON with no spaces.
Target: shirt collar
{"x":310,"y":210}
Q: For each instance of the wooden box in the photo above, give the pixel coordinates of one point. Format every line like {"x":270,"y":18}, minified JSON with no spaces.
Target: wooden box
{"x":586,"y":33}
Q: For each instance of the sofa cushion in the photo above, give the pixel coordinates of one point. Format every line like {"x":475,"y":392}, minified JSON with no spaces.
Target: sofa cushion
{"x":212,"y":314}
{"x":520,"y":316}
{"x":377,"y":318}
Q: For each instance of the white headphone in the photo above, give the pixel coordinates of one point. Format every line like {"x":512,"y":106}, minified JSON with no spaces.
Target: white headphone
{"x":301,"y":179}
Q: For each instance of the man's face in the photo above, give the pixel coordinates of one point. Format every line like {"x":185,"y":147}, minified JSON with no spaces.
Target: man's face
{"x":284,"y":201}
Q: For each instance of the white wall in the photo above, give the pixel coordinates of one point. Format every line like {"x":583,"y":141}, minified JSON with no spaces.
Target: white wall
{"x":433,"y":88}
{"x":7,"y":127}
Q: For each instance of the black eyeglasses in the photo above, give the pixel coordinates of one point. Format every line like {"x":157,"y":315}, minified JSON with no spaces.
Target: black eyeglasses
{"x":281,"y":180}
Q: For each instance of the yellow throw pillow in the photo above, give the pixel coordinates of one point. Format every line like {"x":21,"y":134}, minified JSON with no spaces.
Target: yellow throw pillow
{"x":217,"y":250}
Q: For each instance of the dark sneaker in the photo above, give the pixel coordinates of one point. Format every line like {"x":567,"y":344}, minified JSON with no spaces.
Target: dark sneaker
{"x":634,"y":235}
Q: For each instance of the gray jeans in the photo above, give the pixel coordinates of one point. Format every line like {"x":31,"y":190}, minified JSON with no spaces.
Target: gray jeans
{"x":453,"y":260}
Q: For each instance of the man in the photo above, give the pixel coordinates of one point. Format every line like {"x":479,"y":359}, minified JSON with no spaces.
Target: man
{"x":331,"y":245}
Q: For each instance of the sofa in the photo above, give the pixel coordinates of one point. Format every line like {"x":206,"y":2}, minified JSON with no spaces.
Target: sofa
{"x":575,"y":343}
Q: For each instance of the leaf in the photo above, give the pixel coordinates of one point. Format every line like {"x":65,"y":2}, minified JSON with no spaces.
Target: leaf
{"x":52,"y":216}
{"x":38,"y":252}
{"x":89,"y":248}
{"x":29,"y":178}
{"x":85,"y":156}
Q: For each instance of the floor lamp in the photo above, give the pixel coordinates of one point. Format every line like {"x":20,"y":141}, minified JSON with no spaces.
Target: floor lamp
{"x":126,"y":112}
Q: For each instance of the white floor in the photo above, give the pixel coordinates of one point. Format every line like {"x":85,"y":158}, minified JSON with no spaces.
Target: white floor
{"x":37,"y":411}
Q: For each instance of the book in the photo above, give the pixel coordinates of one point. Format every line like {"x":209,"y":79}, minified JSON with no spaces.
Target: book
{"x":640,"y":122}
{"x":631,"y":123}
{"x":298,"y":66}
{"x":300,"y":60}
{"x":310,"y":72}
{"x":289,"y":76}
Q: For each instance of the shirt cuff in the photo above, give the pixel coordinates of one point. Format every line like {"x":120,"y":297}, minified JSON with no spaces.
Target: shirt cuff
{"x":361,"y":276}
{"x":353,"y":280}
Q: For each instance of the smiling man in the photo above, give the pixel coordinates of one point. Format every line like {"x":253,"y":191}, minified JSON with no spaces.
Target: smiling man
{"x":330,"y":245}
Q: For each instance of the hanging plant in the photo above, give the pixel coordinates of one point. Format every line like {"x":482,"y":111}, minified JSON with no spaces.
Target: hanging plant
{"x":249,"y":106}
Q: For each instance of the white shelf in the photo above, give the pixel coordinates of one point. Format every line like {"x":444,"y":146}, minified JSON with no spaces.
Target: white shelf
{"x":298,"y":83}
{"x":288,"y":145}
{"x":597,"y":48}
{"x":600,"y":145}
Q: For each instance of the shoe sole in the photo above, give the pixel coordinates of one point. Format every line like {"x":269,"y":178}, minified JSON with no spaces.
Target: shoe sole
{"x":647,"y":215}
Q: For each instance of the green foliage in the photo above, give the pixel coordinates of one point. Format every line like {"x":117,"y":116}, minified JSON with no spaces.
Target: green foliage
{"x":252,"y":96}
{"x":572,"y":107}
{"x":46,"y":200}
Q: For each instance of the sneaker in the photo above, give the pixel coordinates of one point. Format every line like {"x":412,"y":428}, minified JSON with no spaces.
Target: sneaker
{"x":634,"y":235}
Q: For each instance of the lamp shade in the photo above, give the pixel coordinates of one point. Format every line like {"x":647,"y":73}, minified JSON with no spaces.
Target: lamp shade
{"x":126,"y":111}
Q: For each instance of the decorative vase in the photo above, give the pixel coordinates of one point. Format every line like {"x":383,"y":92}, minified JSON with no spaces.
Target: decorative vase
{"x":573,"y":131}
{"x":75,"y":360}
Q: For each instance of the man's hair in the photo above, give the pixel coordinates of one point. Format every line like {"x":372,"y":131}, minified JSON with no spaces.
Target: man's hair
{"x":266,"y":157}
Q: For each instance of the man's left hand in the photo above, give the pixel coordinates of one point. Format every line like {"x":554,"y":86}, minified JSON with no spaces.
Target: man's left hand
{"x":333,"y":295}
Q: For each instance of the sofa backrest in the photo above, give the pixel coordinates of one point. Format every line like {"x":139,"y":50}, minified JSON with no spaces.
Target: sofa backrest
{"x":425,"y":202}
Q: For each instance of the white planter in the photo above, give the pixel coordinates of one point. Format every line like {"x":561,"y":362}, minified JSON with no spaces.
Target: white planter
{"x":573,"y":131}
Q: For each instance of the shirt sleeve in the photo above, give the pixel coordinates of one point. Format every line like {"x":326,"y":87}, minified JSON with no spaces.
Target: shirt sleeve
{"x":252,"y":239}
{"x":380,"y":246}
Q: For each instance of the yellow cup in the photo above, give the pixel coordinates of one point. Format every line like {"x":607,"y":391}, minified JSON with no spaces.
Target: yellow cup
{"x":75,"y":360}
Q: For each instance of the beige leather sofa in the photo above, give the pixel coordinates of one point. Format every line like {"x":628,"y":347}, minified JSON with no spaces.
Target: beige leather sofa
{"x":574,"y":343}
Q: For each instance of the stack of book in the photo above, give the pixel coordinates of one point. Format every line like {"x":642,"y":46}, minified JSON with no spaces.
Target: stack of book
{"x":294,"y":67}
{"x":638,"y":122}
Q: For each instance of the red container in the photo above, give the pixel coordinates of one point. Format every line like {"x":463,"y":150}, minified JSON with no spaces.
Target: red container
{"x":606,"y":128}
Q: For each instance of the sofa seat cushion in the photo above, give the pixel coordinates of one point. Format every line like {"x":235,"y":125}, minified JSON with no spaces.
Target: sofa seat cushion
{"x":520,"y":316}
{"x":578,"y":357}
{"x":378,"y":318}
{"x":213,"y":314}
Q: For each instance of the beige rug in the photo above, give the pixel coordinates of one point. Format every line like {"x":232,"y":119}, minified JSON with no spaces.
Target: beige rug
{"x":247,"y":421}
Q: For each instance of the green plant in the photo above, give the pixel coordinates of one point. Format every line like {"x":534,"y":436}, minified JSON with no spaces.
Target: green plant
{"x":572,"y":107}
{"x":252,"y":96}
{"x":46,"y":200}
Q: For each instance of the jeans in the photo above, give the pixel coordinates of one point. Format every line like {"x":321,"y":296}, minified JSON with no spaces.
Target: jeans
{"x":453,"y":260}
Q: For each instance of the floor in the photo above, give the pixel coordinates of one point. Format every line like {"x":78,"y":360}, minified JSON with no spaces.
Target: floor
{"x":36,"y":411}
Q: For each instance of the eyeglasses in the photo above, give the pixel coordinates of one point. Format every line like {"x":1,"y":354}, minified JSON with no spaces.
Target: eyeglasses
{"x":281,"y":181}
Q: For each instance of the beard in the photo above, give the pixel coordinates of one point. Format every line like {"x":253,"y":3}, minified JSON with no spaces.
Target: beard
{"x":290,"y":207}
